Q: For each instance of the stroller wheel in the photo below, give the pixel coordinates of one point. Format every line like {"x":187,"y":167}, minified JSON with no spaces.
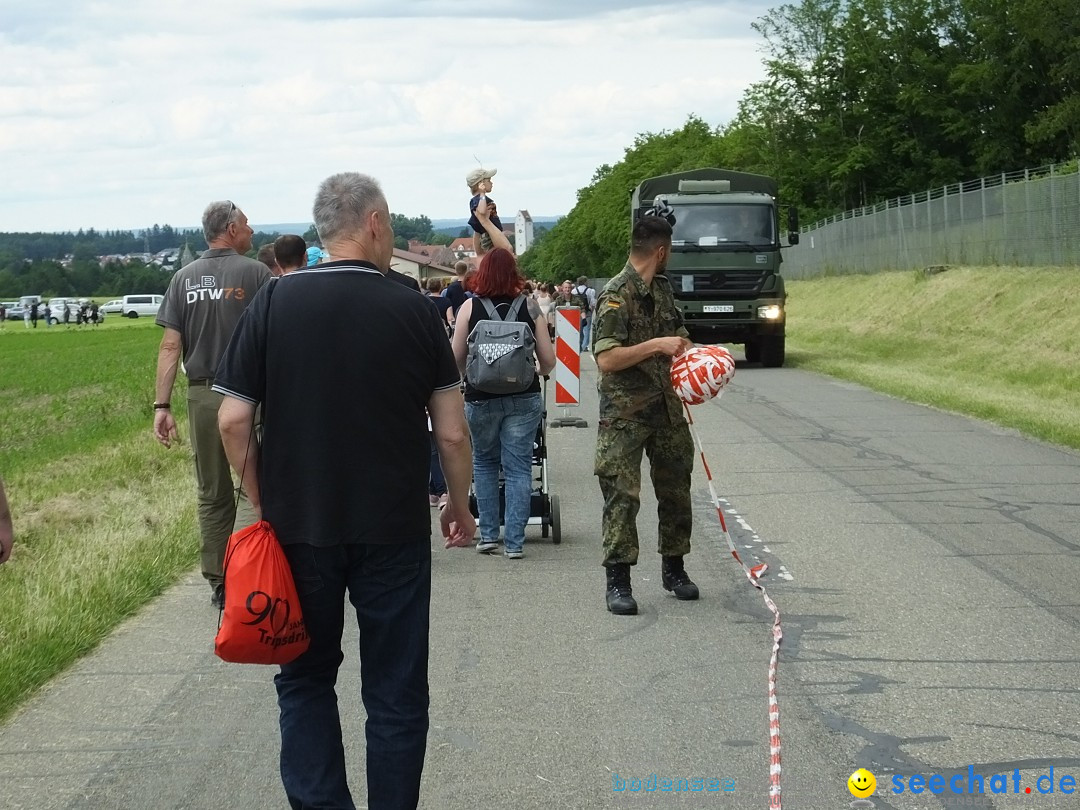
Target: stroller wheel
{"x":545,"y":521}
{"x":556,"y":527}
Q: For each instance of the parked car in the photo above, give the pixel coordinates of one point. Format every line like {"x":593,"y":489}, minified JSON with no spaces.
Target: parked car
{"x":16,"y":311}
{"x":135,"y":305}
{"x":57,"y":306}
{"x":8,"y":306}
{"x":112,"y":307}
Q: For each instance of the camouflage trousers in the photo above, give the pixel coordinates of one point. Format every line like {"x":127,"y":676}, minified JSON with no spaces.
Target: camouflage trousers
{"x":670,"y":450}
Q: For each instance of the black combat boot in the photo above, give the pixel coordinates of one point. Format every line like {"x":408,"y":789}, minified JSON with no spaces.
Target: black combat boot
{"x":620,"y":598}
{"x":675,"y":579}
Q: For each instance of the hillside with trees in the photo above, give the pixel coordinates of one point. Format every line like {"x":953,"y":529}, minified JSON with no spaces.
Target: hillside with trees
{"x":97,"y":263}
{"x":71,"y":264}
{"x":862,"y":101}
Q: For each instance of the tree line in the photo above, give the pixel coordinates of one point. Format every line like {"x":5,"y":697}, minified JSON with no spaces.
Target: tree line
{"x":419,"y":228}
{"x":81,"y":278}
{"x":862,"y":101}
{"x":37,"y":263}
{"x":92,"y":243}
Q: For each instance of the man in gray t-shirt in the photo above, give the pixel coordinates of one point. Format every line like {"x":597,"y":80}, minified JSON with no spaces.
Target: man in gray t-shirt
{"x":202,"y":306}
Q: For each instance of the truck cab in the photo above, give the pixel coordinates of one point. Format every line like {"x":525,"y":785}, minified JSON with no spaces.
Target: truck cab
{"x":725,"y":256}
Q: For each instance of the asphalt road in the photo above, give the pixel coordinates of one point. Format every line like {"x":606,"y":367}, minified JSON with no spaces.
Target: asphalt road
{"x":925,"y":566}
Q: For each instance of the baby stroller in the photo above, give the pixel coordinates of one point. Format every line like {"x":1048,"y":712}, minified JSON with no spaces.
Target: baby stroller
{"x":544,"y":507}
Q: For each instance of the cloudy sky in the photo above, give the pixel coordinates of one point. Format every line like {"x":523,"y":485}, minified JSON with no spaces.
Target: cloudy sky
{"x":121,"y":114}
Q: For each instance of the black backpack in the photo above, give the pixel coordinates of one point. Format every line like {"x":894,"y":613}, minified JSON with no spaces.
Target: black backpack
{"x":579,"y":297}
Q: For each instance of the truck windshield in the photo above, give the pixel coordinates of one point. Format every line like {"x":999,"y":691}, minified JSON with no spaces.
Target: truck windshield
{"x":719,"y":225}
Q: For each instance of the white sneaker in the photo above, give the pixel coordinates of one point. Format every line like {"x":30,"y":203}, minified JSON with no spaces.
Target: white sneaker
{"x":514,"y":555}
{"x":487,"y":546}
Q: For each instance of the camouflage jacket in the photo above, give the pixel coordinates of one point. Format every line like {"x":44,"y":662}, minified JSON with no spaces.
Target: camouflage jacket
{"x":627,"y":313}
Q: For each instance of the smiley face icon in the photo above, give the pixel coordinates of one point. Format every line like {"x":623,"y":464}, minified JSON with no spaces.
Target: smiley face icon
{"x":862,"y":783}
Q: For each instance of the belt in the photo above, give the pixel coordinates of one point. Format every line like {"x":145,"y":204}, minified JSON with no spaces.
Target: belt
{"x":201,"y":383}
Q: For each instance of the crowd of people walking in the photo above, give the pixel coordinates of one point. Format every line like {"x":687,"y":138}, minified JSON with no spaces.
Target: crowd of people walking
{"x":332,"y":425}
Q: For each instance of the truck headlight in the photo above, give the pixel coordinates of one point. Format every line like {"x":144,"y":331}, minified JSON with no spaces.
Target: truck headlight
{"x":772,"y":312}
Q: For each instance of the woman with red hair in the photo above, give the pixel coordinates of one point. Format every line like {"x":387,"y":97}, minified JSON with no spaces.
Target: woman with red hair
{"x":503,"y":426}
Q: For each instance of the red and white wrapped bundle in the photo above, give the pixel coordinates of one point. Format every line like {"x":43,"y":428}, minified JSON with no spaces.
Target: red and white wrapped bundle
{"x":700,"y":373}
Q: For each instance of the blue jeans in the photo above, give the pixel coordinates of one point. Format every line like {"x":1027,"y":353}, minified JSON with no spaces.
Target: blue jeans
{"x":586,"y":325}
{"x":390,"y":588}
{"x":503,"y":430}
{"x":436,"y":479}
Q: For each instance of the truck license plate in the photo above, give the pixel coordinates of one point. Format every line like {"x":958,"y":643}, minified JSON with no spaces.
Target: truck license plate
{"x":719,"y":307}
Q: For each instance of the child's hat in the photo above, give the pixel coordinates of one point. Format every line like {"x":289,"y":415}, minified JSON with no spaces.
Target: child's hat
{"x":476,"y":175}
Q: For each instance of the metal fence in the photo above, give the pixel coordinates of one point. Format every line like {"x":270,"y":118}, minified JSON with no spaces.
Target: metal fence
{"x":1030,"y":218}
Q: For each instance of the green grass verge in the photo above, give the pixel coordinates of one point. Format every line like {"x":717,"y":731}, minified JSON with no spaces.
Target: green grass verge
{"x":104,"y":516}
{"x":998,"y":343}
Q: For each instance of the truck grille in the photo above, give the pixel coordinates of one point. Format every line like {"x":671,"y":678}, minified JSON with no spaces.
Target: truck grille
{"x":725,"y":282}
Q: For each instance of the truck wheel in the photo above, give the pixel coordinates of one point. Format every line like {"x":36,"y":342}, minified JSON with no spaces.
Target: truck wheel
{"x":752,"y":349}
{"x":772,"y":351}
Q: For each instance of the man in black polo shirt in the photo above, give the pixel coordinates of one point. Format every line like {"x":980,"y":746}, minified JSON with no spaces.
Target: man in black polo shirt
{"x":341,"y":476}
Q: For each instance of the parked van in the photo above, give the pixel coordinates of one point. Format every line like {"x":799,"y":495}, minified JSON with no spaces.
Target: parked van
{"x":136,"y":305}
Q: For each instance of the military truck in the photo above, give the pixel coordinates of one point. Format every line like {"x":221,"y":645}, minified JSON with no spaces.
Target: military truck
{"x":725,"y":256}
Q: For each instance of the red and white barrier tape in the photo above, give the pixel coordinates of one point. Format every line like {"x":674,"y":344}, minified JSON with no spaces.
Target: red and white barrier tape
{"x":753,"y":574}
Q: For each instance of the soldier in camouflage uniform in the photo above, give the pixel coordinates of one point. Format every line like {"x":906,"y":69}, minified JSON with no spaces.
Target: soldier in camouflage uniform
{"x":638,"y":329}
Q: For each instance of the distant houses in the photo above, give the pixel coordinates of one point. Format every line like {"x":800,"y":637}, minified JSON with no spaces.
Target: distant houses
{"x":420,"y":266}
{"x":462,"y":248}
{"x":440,"y":254}
{"x":165,"y":259}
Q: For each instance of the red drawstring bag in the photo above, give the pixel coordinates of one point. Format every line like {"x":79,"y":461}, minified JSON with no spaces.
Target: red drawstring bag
{"x":262,"y":623}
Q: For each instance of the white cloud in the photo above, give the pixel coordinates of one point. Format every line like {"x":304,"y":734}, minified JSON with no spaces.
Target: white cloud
{"x":120,"y":116}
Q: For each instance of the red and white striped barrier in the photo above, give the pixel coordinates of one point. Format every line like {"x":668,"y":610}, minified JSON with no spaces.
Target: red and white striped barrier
{"x":567,"y":356}
{"x":753,"y":574}
{"x":568,"y":366}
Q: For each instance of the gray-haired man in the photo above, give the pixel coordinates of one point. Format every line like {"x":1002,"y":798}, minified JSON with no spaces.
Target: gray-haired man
{"x":204,"y":301}
{"x":342,"y":475}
